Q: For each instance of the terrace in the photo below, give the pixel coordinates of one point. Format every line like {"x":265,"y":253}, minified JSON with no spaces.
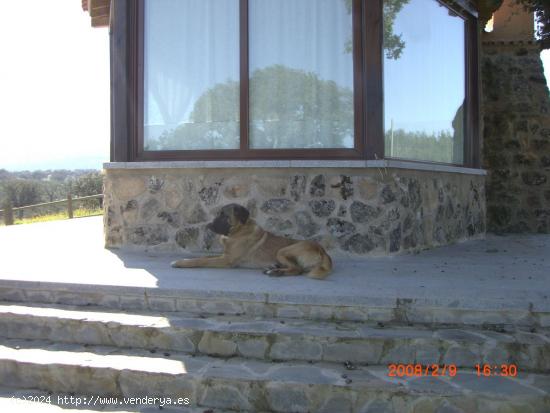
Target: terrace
{"x":505,"y":277}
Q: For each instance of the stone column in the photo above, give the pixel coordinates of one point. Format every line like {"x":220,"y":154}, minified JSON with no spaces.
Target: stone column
{"x":516,"y":135}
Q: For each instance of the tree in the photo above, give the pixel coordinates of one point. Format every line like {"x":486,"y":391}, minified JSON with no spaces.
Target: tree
{"x":289,"y":108}
{"x":89,"y":184}
{"x":86,"y":185}
{"x":22,"y":192}
{"x":4,"y":174}
{"x":53,"y":190}
{"x":437,"y":147}
{"x":293,"y":108}
{"x":393,"y":43}
{"x":213,"y":123}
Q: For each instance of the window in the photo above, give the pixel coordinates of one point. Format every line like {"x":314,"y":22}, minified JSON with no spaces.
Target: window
{"x":286,"y":68}
{"x":301,"y":74}
{"x":297,"y":79}
{"x":191,"y":74}
{"x":424,"y":81}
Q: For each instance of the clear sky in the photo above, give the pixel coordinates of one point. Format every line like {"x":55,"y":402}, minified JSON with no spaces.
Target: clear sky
{"x":424,"y":87}
{"x":54,"y":86}
{"x":545,"y":55}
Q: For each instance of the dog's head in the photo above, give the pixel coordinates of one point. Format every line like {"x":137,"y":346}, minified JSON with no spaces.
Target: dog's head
{"x":229,"y":218}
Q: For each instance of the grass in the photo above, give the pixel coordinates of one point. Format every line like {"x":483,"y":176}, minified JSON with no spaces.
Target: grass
{"x":77,"y":213}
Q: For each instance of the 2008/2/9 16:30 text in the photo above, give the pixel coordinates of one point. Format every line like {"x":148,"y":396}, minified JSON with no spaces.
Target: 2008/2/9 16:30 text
{"x":450,"y":370}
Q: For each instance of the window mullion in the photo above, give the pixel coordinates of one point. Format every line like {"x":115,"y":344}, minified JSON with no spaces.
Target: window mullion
{"x":373,"y":17}
{"x":359,"y":77}
{"x":244,"y":76}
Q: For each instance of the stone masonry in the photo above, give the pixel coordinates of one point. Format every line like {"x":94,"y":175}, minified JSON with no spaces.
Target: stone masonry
{"x":351,"y":211}
{"x":516,"y":149}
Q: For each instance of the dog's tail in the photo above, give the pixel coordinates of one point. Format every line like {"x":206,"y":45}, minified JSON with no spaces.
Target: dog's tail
{"x":323,"y":267}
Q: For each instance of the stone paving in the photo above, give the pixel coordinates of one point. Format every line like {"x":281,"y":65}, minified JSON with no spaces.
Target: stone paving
{"x":497,"y":280}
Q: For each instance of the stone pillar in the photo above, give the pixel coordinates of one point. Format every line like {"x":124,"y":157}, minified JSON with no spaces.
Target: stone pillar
{"x":516,"y":135}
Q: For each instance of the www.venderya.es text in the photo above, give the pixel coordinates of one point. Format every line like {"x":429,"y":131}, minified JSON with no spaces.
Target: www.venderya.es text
{"x":106,"y":401}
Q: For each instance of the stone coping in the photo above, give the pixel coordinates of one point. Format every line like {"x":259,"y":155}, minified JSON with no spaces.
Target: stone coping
{"x":383,"y":163}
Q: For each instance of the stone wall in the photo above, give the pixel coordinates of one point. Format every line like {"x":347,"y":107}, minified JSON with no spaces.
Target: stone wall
{"x":353,"y":211}
{"x":516,"y":148}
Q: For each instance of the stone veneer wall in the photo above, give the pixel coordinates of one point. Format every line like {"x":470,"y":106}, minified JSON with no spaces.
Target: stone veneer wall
{"x":516,"y":148}
{"x":350,"y":211}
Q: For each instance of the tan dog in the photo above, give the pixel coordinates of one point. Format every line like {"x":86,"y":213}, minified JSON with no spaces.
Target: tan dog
{"x":246,"y":244}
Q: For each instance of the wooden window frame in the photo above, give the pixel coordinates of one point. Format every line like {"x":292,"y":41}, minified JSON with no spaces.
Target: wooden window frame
{"x":127,"y":28}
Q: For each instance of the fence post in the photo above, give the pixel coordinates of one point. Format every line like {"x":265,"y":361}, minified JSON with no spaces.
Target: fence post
{"x":8,"y":212}
{"x":70,"y":205}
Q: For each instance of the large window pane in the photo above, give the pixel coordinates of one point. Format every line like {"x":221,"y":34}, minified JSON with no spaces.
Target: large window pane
{"x":424,"y":81}
{"x":301,"y":74}
{"x":191,"y":74}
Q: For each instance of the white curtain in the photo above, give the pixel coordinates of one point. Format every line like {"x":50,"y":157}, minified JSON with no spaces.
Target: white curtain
{"x":301,"y":74}
{"x":191,"y":74}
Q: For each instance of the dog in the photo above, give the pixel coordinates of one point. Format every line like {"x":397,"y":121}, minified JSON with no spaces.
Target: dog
{"x":247,"y":245}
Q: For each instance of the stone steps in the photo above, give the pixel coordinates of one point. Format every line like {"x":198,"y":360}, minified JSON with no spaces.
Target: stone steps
{"x":279,"y":339}
{"x":252,"y":363}
{"x":248,"y":385}
{"x":428,"y":310}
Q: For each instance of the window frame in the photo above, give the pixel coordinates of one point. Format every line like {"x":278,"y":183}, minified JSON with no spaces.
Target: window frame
{"x":127,"y":90}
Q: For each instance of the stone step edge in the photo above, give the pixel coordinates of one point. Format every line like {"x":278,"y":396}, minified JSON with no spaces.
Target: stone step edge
{"x":460,"y":347}
{"x":310,"y":307}
{"x":276,"y":298}
{"x":237,"y":324}
{"x":97,"y":373}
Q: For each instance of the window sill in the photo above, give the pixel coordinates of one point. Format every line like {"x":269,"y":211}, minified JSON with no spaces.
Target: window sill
{"x":385,"y":163}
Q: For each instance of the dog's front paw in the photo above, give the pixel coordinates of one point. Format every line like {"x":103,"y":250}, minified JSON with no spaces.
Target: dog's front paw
{"x":274,"y":272}
{"x":175,"y":264}
{"x":271,"y":268}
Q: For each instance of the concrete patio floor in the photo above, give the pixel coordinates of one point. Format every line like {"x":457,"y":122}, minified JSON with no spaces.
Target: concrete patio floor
{"x":508,"y":272}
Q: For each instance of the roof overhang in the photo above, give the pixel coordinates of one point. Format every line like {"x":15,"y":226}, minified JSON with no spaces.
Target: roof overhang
{"x":99,"y":11}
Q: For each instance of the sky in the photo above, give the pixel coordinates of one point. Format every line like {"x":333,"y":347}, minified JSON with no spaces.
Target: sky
{"x":545,"y":56}
{"x":424,"y":87}
{"x":54,"y":87}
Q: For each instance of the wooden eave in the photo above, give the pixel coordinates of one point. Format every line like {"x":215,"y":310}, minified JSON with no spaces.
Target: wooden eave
{"x":99,"y":11}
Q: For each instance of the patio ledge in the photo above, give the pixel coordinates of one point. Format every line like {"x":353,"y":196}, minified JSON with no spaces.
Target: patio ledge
{"x":384,"y":163}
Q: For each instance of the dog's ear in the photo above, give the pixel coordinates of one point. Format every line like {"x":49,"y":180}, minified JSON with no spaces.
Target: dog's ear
{"x":241,"y":213}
